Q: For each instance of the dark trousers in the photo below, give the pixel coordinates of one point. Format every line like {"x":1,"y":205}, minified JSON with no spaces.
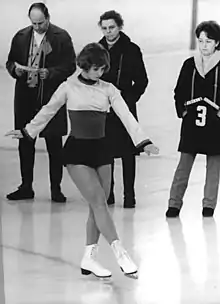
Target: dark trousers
{"x":26,"y":150}
{"x":128,"y":169}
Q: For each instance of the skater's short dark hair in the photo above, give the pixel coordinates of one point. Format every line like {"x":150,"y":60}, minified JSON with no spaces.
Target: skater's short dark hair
{"x":212,"y":30}
{"x":93,"y":54}
{"x":111,"y":15}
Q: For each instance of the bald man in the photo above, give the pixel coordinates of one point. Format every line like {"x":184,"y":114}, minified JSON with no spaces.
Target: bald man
{"x":40,"y":59}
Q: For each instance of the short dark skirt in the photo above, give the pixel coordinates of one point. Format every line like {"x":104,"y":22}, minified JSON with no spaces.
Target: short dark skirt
{"x":93,"y":153}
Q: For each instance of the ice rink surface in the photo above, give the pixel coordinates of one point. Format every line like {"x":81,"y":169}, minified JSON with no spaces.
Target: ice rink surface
{"x":42,"y":243}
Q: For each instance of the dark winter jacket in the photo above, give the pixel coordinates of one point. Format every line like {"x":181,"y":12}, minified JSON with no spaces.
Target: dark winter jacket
{"x":128,"y":74}
{"x":60,"y":62}
{"x":197,"y":98}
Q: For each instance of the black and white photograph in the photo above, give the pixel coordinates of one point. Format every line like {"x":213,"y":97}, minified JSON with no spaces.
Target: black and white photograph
{"x":109,"y":152}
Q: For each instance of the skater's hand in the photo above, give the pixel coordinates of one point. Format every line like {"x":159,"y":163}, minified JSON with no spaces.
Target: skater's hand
{"x":15,"y":134}
{"x":151,"y":149}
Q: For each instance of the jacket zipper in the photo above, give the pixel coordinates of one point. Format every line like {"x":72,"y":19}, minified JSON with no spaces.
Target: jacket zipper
{"x":119,"y":70}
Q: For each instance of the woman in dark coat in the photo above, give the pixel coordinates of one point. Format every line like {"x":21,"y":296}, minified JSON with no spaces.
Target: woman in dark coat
{"x":197,"y":99}
{"x":49,"y":49}
{"x":128,"y":74}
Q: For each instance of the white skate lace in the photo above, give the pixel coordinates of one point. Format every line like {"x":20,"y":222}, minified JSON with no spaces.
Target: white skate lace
{"x":93,"y":253}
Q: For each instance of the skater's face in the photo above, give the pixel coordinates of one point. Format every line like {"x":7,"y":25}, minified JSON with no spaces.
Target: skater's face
{"x":94,"y":73}
{"x":39,"y":22}
{"x":207,"y":46}
{"x":110,"y":29}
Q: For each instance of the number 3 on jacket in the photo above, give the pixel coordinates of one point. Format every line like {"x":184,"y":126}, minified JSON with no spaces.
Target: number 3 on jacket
{"x":201,"y":116}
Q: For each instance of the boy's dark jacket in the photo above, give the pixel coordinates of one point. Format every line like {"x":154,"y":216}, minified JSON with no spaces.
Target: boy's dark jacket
{"x":201,"y":124}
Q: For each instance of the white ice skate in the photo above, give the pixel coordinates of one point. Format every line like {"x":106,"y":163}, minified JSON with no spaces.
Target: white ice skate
{"x":125,"y":262}
{"x":90,"y":265}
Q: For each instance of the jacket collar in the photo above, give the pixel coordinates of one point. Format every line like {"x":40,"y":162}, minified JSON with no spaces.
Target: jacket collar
{"x":25,"y":36}
{"x":122,"y":41}
{"x":25,"y":40}
{"x":212,"y":62}
{"x":51,"y":31}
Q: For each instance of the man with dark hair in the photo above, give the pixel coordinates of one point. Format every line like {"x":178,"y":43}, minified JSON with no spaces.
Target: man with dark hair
{"x":128,"y":74}
{"x":40,"y":59}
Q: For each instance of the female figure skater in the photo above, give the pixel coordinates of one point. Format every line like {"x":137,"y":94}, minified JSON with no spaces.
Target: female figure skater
{"x":86,"y":151}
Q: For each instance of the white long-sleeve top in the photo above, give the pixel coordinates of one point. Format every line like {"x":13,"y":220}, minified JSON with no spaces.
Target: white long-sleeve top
{"x":79,"y":96}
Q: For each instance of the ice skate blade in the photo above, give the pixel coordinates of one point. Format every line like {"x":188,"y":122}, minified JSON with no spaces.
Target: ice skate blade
{"x":132,"y":275}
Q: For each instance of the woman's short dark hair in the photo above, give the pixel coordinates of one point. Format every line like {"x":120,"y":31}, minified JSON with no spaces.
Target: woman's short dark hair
{"x":42,"y":7}
{"x":93,"y":54}
{"x":212,"y":30}
{"x":112,"y":15}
